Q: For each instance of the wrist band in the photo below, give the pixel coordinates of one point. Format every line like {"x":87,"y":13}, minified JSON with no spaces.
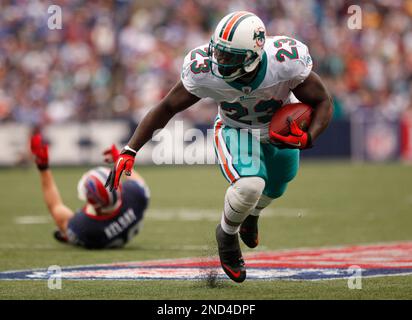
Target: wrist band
{"x":42,"y":167}
{"x":130,"y":149}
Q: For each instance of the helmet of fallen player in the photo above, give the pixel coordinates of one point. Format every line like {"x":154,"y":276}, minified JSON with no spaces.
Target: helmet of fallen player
{"x":92,"y":190}
{"x":236,"y":46}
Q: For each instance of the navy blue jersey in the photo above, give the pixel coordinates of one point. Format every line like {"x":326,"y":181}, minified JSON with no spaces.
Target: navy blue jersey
{"x":95,"y":232}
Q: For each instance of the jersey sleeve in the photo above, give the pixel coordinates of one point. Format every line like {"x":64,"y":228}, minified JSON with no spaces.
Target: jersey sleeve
{"x":85,"y":232}
{"x":296,"y":68}
{"x":195,"y":69}
{"x":303,"y":66}
{"x":135,"y":192}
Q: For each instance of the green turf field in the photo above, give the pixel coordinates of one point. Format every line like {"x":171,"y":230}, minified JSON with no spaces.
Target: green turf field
{"x":328,"y":204}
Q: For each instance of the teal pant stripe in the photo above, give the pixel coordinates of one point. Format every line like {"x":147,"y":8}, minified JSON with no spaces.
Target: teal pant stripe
{"x":252,"y":158}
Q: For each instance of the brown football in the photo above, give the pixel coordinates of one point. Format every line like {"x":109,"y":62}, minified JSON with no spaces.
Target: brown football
{"x":300,"y":112}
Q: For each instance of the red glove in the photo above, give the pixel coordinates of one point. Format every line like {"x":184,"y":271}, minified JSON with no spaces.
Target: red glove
{"x":123,"y":163}
{"x":111,"y":155}
{"x":40,"y":151}
{"x":297,"y":139}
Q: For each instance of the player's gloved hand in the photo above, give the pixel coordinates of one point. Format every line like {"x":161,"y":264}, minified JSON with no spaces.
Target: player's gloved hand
{"x":297,"y":138}
{"x":111,"y":154}
{"x":40,"y":150}
{"x":123,"y":163}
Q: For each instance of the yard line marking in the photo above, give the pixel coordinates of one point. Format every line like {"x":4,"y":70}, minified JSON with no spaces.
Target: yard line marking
{"x":198,"y":214}
{"x":32,"y":220}
{"x":26,"y":246}
{"x":183,"y":213}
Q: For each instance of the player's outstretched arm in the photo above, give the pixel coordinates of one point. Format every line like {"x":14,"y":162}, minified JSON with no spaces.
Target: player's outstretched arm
{"x":177,"y":100}
{"x":112,"y":154}
{"x":60,"y":213}
{"x":313,"y":92}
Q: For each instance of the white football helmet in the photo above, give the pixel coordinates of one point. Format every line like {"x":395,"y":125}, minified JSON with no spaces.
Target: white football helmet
{"x":91,"y":188}
{"x":236,"y":46}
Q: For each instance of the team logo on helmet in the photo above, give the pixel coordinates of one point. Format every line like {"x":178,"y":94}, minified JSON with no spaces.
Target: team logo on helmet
{"x":259,"y":36}
{"x":236,"y":47}
{"x":92,"y":190}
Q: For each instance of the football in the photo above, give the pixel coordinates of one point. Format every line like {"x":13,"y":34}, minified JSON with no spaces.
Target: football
{"x":300,"y":112}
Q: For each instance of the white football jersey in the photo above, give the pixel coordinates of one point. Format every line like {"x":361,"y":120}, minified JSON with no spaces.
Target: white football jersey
{"x":285,"y":64}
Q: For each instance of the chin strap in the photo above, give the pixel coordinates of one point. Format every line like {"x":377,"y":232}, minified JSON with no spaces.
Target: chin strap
{"x":254,"y":64}
{"x":241,"y":72}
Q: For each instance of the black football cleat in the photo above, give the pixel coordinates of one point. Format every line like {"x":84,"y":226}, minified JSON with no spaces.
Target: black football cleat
{"x":59,"y":236}
{"x":230,"y":255}
{"x":249,"y":231}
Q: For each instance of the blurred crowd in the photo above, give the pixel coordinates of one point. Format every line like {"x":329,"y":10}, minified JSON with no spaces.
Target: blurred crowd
{"x":116,"y":59}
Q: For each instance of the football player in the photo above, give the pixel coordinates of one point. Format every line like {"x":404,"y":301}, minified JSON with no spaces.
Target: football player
{"x":250,"y":75}
{"x":109,"y":219}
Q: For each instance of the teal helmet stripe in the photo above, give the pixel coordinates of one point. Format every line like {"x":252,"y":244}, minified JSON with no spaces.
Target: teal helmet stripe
{"x":224,"y":26}
{"x":232,"y":32}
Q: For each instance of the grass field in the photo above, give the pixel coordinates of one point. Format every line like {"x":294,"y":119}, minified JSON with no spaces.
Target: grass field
{"x":342,"y":203}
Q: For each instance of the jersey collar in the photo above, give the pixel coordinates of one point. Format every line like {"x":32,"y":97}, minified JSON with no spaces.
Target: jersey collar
{"x":257,"y":81}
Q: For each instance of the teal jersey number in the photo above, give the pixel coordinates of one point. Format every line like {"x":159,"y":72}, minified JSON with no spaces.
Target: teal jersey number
{"x":282,"y":53}
{"x":269,"y":107}
{"x":197,"y":68}
{"x":236,"y":111}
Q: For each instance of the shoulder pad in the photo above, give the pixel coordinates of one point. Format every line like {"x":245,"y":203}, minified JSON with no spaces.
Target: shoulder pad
{"x":196,"y":70}
{"x":290,"y":58}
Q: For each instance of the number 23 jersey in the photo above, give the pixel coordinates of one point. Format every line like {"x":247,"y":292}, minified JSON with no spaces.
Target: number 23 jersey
{"x":285,"y":64}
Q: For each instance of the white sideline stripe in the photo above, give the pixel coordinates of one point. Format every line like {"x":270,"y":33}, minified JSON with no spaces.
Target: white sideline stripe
{"x":408,"y":199}
{"x":188,"y":247}
{"x":32,"y":220}
{"x":197,"y":214}
{"x":184,"y":214}
{"x":25,"y":246}
{"x":146,"y":247}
